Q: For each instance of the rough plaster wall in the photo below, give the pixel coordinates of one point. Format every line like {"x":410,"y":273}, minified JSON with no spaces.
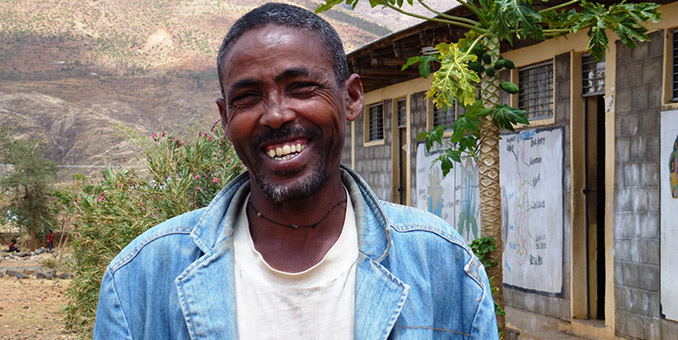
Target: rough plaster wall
{"x":558,"y":307}
{"x":636,"y":208}
{"x":373,"y":163}
{"x":346,"y":153}
{"x":417,"y":125}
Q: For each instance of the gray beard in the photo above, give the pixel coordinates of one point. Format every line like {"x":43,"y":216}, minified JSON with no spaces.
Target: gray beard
{"x":303,"y":189}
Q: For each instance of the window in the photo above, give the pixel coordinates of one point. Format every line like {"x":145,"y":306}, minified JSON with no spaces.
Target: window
{"x":443,"y":117}
{"x":674,"y":63}
{"x":402,"y":113}
{"x":375,"y":122}
{"x":536,"y":90}
{"x":593,"y":76}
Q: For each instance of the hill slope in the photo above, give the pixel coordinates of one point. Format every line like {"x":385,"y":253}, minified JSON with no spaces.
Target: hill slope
{"x":71,"y":71}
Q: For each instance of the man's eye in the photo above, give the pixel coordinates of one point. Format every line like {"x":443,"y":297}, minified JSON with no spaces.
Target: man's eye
{"x":302,"y":88}
{"x":245,"y":99}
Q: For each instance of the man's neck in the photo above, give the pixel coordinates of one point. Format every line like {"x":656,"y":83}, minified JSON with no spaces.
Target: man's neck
{"x":295,"y":250}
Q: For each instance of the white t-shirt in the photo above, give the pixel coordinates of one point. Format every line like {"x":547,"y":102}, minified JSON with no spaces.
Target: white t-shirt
{"x":317,"y":303}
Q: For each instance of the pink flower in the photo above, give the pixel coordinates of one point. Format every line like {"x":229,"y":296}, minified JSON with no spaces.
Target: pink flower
{"x":197,"y":176}
{"x":215,"y":180}
{"x":101,"y":198}
{"x":198,"y":188}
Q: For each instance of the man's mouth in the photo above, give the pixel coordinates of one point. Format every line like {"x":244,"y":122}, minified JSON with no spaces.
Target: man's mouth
{"x":285,"y":151}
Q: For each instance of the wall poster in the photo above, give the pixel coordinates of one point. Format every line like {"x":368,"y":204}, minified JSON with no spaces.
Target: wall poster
{"x":531,"y":177}
{"x":455,"y":198}
{"x":668,"y":197}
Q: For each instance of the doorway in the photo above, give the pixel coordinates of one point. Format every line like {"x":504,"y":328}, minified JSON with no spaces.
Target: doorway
{"x":594,"y":192}
{"x":400,"y":154}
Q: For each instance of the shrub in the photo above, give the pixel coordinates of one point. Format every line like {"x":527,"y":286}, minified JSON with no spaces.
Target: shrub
{"x":179,"y":177}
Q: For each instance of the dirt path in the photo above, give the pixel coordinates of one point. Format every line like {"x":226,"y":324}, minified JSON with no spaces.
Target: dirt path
{"x":30,"y":309}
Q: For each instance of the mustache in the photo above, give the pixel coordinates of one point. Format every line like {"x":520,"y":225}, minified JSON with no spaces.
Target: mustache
{"x":285,"y":131}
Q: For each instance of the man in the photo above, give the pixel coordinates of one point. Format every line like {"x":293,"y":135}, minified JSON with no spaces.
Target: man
{"x":299,"y":247}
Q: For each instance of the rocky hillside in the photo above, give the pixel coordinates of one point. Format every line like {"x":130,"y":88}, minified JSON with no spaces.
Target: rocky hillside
{"x":72,"y":72}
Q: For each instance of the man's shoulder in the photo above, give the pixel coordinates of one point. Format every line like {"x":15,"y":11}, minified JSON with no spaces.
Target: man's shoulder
{"x":405,"y":219}
{"x":171,"y":235}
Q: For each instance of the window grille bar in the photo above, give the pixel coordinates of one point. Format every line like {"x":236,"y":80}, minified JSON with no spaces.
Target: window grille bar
{"x":376,"y":122}
{"x":402,"y":113}
{"x":536,"y":90}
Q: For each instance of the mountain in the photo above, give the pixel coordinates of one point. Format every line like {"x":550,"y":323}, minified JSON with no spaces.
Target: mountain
{"x":72,"y":71}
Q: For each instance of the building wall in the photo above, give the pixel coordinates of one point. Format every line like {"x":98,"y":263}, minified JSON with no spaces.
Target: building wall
{"x":554,"y":306}
{"x":373,"y":162}
{"x":636,"y":213}
{"x":418,"y":116}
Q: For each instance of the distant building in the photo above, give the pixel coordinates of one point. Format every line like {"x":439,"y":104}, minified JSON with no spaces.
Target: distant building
{"x":590,"y":188}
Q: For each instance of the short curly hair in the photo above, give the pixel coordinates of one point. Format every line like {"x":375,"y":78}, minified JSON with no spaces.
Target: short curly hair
{"x":288,"y":16}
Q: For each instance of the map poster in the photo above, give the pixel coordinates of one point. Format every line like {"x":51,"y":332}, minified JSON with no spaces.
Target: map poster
{"x":531,"y":177}
{"x":668,"y":197}
{"x":455,"y":198}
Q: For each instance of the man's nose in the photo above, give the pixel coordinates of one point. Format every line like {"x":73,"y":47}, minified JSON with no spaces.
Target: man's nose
{"x":276,"y":114}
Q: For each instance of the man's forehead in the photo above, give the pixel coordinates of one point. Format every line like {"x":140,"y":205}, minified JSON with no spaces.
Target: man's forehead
{"x":282,"y":42}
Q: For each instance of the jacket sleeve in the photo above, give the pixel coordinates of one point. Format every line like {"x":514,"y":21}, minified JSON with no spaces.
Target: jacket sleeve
{"x":111,"y":322}
{"x":485,"y":321}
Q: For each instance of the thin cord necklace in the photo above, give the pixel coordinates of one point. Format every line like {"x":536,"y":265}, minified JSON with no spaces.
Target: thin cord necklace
{"x":295,"y":226}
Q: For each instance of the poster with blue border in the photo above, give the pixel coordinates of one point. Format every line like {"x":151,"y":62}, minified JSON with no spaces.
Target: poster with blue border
{"x":531,"y":177}
{"x":455,"y":198}
{"x":668,"y":197}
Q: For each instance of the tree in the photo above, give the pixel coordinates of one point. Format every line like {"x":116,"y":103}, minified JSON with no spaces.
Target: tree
{"x":27,"y":185}
{"x":476,"y":60}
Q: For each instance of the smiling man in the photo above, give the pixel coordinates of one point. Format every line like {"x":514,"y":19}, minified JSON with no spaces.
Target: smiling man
{"x":299,"y":247}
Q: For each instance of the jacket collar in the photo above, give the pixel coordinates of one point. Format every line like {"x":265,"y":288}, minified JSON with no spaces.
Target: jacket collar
{"x":380,"y":296}
{"x":216,"y":223}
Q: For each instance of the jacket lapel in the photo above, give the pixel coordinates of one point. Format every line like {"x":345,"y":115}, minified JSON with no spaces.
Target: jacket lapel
{"x":379,"y":299}
{"x":207,"y":295}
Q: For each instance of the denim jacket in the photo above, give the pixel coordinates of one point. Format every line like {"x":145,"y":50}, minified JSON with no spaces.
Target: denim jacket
{"x":415,"y":276}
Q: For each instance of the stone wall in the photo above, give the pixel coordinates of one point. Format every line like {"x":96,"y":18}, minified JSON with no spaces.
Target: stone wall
{"x":636,"y":208}
{"x":373,"y":163}
{"x":554,"y":306}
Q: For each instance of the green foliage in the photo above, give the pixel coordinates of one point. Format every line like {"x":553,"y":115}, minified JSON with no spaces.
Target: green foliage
{"x":623,"y":18}
{"x":516,"y":18}
{"x":27,"y":185}
{"x":454,"y":79}
{"x":482,"y":247}
{"x":180,"y":177}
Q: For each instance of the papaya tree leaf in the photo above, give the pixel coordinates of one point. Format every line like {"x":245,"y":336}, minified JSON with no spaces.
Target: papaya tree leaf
{"x":454,"y":79}
{"x":519,"y":17}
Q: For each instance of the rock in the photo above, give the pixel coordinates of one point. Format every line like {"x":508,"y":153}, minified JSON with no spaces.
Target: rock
{"x":24,"y":254}
{"x":29,"y":271}
{"x":2,"y":275}
{"x":40,"y":251}
{"x":42,"y":275}
{"x":65,"y":275}
{"x":13,"y":273}
{"x":16,"y":273}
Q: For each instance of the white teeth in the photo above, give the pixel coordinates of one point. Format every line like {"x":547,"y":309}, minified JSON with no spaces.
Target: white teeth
{"x":287,"y":151}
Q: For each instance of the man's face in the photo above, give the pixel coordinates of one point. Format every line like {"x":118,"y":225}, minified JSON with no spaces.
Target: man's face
{"x":284,"y":111}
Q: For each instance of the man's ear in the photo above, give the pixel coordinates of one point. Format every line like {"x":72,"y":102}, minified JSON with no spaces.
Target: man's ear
{"x":221,"y":104}
{"x":353,"y":97}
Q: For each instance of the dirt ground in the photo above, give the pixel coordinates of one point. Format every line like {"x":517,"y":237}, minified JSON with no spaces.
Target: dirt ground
{"x":31,"y":308}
